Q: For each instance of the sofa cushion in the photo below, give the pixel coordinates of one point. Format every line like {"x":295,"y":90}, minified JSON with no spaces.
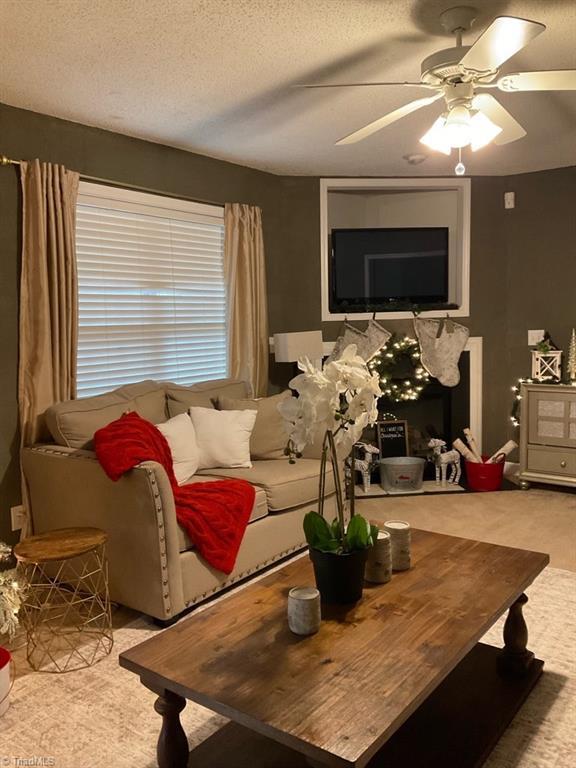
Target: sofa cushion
{"x":259,"y":510}
{"x":203,"y":394}
{"x":286,"y":485}
{"x":148,"y":399}
{"x":269,"y":437}
{"x":74,"y":422}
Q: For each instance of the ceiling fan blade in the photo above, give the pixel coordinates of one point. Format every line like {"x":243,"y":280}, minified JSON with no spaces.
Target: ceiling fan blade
{"x":545,"y":80}
{"x":511,"y":128}
{"x":359,"y":85}
{"x":504,"y":37}
{"x":391,"y":117}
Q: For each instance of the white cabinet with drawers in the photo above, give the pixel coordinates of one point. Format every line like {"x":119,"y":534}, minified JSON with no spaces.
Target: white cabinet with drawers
{"x":548,"y":434}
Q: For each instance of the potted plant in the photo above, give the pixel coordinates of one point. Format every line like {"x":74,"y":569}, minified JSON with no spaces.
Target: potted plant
{"x":10,"y":601}
{"x":337,"y":401}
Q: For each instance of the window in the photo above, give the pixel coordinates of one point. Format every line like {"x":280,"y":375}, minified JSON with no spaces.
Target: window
{"x":151,"y":292}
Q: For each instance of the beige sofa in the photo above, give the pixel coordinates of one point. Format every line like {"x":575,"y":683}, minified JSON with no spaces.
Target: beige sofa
{"x":153,"y":566}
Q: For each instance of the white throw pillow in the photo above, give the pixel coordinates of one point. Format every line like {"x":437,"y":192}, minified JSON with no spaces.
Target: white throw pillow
{"x":181,"y":437}
{"x":223,"y":437}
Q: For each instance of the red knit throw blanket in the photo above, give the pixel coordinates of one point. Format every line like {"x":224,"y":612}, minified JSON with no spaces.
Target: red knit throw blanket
{"x":214,"y":514}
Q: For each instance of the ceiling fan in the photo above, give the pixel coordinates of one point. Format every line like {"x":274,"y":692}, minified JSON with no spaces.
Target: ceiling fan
{"x":460,"y":75}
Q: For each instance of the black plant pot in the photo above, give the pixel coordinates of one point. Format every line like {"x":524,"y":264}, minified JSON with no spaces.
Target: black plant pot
{"x":340,"y":578}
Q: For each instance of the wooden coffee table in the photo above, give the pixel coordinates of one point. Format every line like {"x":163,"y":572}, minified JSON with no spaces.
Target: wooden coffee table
{"x":397,"y":680}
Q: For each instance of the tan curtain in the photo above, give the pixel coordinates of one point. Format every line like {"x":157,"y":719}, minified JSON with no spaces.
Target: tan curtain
{"x":245,"y":272}
{"x":48,"y":295}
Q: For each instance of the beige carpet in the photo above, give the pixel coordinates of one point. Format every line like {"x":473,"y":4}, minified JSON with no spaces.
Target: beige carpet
{"x":102,"y":717}
{"x":541,"y":520}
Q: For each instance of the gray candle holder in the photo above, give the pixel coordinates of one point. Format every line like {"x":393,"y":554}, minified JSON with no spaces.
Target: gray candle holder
{"x":304,"y":610}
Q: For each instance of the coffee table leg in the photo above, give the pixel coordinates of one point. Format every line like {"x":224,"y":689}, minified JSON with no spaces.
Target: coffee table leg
{"x":515,"y":659}
{"x":172,"y":750}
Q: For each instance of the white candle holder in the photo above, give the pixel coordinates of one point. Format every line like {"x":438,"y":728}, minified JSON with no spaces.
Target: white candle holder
{"x":379,"y":562}
{"x":304,"y":610}
{"x":400,"y":539}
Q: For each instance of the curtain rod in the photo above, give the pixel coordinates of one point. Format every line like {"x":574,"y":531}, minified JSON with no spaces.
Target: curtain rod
{"x":5,"y":161}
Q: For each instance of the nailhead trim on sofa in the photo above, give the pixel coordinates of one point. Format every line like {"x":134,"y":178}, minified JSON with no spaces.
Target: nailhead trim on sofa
{"x":243,"y":574}
{"x":161,"y":538}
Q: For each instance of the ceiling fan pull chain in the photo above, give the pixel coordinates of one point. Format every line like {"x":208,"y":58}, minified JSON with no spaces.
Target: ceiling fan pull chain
{"x":460,"y":168}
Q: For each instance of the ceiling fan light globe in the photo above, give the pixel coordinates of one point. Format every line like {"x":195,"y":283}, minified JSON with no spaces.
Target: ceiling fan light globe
{"x":436,"y":138}
{"x":457,"y":128}
{"x":457,"y":135}
{"x":458,"y":115}
{"x":482,"y":131}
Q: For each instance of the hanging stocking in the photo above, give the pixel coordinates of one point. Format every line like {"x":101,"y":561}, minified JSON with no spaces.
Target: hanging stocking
{"x":376,"y":338}
{"x":350,"y":335}
{"x":441,"y":344}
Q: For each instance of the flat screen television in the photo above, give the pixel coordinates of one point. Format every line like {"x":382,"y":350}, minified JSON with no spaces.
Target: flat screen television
{"x":379,"y":270}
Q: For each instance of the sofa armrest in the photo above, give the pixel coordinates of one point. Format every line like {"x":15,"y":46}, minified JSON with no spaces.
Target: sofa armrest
{"x":68,"y":487}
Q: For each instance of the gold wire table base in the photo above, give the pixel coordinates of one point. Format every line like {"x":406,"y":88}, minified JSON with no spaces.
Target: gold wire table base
{"x":66,"y":612}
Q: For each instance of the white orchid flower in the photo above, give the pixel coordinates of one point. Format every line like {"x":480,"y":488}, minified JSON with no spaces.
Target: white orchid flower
{"x":290,"y":409}
{"x":341,"y":397}
{"x":349,"y":371}
{"x":310,"y":378}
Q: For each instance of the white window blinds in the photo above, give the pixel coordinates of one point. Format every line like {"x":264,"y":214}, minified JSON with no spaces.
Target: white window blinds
{"x":151,"y":292}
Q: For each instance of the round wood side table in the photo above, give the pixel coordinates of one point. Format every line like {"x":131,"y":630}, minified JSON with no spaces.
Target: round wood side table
{"x":66,"y":608}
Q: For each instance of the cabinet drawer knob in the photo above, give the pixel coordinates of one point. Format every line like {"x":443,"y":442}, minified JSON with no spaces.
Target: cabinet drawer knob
{"x":562,"y":464}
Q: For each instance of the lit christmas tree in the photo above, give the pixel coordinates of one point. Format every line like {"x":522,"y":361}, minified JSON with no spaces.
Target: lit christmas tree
{"x":571,"y":368}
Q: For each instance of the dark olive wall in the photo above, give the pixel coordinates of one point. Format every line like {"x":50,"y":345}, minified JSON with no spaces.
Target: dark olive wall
{"x":121,"y":159}
{"x":523,"y":275}
{"x":9,"y":271}
{"x":296,"y":306}
{"x":541,"y":254}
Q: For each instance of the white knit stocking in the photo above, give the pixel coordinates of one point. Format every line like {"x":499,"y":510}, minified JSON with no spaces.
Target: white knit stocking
{"x":376,"y":338}
{"x":441,"y":344}
{"x":368,"y":342}
{"x":350,"y":335}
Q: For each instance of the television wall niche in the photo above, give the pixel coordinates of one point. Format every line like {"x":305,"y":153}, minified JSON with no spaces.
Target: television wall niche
{"x":403,"y":204}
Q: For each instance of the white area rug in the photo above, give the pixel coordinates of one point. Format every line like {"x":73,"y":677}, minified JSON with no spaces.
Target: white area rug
{"x":103,"y":717}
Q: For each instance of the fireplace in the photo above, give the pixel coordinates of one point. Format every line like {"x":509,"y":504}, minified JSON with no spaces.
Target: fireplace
{"x":442,"y":412}
{"x":447,"y":409}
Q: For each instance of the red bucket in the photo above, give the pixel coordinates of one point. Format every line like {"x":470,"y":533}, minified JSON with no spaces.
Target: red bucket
{"x":484,"y":477}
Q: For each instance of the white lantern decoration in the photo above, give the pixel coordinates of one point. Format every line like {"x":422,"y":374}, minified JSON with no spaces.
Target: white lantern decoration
{"x":546,"y":365}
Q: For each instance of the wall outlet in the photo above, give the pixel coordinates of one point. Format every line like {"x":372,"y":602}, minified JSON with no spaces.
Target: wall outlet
{"x":18,"y":517}
{"x":534,"y":337}
{"x":509,"y":199}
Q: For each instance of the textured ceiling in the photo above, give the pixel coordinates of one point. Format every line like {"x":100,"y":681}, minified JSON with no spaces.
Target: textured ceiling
{"x":216,"y":77}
